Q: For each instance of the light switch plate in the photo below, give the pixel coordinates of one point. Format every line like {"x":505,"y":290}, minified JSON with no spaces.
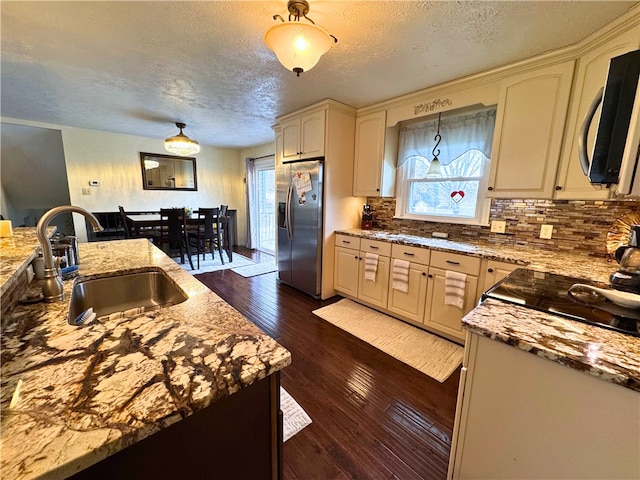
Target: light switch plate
{"x":546,"y":231}
{"x":498,"y":226}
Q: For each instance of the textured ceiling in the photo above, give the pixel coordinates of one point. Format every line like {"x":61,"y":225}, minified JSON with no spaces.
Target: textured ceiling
{"x":138,"y":67}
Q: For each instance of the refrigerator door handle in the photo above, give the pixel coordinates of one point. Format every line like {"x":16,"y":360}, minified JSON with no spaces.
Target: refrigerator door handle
{"x":288,"y":215}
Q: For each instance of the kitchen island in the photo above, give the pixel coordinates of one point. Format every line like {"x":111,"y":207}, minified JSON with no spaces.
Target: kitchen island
{"x":557,"y":398}
{"x":178,"y":386}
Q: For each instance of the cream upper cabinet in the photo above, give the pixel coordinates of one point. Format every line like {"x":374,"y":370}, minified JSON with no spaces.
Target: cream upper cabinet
{"x":530,"y":119}
{"x":303,"y":136}
{"x":591,"y":75}
{"x":374,"y":172}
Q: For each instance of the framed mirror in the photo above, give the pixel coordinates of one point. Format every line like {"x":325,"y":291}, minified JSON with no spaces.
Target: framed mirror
{"x":168,"y":172}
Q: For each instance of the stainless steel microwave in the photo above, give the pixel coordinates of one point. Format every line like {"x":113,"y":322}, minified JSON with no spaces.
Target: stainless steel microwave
{"x":616,"y":148}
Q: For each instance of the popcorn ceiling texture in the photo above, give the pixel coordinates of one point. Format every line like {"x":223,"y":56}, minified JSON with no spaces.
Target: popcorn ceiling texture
{"x":578,"y":225}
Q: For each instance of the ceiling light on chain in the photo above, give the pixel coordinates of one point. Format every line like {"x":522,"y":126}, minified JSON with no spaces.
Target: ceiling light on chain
{"x":298,"y":45}
{"x":434,"y":167}
{"x":180,"y":144}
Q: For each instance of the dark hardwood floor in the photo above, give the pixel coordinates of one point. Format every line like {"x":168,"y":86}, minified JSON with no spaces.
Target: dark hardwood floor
{"x":373,"y":416}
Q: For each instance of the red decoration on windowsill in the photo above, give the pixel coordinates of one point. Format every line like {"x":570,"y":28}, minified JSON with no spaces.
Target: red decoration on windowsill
{"x":457,"y":196}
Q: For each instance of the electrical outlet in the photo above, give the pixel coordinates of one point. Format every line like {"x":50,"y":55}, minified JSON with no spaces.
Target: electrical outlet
{"x":498,"y":226}
{"x":86,"y":191}
{"x":546,"y":231}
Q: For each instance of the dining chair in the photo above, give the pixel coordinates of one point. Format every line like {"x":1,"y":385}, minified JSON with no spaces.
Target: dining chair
{"x":173,"y":233}
{"x":152,"y":235}
{"x":224,"y":231}
{"x":206,"y":234}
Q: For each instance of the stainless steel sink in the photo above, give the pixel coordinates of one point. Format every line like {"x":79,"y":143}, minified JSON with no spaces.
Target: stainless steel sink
{"x":146,"y":290}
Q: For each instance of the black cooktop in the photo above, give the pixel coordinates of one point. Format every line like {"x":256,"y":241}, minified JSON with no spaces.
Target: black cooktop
{"x":548,"y":292}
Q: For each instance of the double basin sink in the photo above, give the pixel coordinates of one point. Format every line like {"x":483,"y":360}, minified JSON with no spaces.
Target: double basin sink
{"x":120,"y":293}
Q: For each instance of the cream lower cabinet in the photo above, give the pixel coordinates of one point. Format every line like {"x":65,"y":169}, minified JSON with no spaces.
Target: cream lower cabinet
{"x":438,"y":315}
{"x":522,"y":416}
{"x":424,"y":302}
{"x":375,"y":292}
{"x":346,"y":271}
{"x":410,"y":304}
{"x":491,"y":272}
{"x":349,"y":269}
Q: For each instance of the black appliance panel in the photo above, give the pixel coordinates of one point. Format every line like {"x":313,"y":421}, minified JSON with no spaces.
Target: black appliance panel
{"x":548,"y":292}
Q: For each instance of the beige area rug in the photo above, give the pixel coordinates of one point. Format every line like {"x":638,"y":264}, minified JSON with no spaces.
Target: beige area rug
{"x":294,"y":418}
{"x":430,"y":354}
{"x":214,"y":265}
{"x":257,"y":269}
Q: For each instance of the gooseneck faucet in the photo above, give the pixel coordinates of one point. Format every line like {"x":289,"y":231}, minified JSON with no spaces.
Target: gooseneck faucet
{"x":52,"y":287}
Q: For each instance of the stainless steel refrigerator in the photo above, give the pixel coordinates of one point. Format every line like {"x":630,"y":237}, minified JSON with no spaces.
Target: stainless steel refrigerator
{"x":300,"y":202}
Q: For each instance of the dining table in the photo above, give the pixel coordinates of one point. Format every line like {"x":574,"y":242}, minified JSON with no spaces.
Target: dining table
{"x":143,"y":221}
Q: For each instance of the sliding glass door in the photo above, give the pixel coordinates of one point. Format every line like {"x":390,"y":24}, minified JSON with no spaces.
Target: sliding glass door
{"x":264,"y":195}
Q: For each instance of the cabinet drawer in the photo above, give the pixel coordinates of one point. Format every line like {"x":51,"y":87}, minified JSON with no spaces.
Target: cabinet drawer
{"x":454,"y":261}
{"x":375,"y":246}
{"x":412,"y":254}
{"x":347,"y":241}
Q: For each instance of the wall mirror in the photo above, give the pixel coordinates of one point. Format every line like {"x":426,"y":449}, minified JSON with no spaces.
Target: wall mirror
{"x":166,"y":172}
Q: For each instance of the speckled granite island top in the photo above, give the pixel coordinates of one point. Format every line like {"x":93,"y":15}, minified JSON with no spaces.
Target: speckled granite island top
{"x":608,"y":355}
{"x":88,"y":392}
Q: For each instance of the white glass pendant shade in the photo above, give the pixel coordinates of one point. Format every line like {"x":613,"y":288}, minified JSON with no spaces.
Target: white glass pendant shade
{"x":298,"y":46}
{"x":181,"y":144}
{"x":434,"y":168}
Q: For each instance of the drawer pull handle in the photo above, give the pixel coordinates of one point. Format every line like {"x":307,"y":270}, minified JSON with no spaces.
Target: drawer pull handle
{"x":408,"y":254}
{"x":373,"y":247}
{"x":453,"y":263}
{"x":346,"y":241}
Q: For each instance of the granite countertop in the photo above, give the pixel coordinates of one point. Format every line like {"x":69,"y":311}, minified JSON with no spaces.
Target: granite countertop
{"x":608,"y":355}
{"x":16,"y":253}
{"x":565,"y":263}
{"x":87,"y":392}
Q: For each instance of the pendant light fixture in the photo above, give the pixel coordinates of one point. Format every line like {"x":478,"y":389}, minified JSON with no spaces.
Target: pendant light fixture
{"x":434,"y":167}
{"x":298,"y":45}
{"x":180,"y":144}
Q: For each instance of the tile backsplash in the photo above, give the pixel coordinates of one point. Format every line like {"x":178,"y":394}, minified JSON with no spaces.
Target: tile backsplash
{"x":577,"y":224}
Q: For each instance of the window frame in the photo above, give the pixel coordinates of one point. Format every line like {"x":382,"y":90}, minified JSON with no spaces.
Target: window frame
{"x":403,"y":189}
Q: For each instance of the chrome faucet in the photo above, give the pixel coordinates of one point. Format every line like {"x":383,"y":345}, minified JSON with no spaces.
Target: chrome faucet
{"x":52,"y":287}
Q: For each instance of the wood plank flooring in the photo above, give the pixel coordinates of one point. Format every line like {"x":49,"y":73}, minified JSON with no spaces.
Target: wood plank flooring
{"x":373,"y":416}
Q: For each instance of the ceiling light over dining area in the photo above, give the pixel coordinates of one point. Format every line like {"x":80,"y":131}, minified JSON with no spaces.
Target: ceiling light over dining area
{"x":180,"y":144}
{"x":298,"y":45}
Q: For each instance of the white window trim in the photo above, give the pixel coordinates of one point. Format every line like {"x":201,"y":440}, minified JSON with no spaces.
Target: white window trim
{"x":482,"y":207}
{"x":483,"y":204}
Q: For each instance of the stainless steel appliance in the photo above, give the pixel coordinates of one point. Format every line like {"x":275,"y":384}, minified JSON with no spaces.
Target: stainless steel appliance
{"x":628,"y":256}
{"x":300,"y":202}
{"x":615,"y":150}
{"x":549,"y":293}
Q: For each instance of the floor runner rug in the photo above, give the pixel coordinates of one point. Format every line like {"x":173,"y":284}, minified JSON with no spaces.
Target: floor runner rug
{"x":430,"y":354}
{"x":214,"y":265}
{"x":294,"y":418}
{"x":257,"y":269}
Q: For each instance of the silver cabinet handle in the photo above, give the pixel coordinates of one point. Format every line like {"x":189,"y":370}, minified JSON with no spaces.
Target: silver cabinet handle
{"x":584,"y":133}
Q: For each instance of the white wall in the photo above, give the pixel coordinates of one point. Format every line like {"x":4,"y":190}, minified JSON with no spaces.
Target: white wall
{"x":34,"y":176}
{"x":114,"y":161}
